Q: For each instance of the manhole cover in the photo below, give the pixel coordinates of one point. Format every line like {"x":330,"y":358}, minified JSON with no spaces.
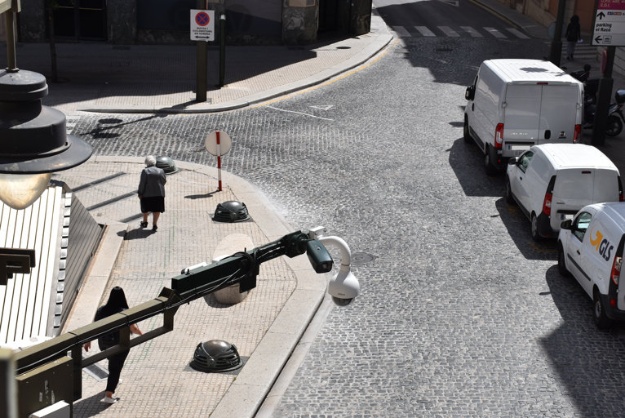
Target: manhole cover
{"x":361,"y":258}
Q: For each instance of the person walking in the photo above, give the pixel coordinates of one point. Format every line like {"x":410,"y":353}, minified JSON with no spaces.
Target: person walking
{"x":115,"y":304}
{"x":152,"y":192}
{"x":573,"y":36}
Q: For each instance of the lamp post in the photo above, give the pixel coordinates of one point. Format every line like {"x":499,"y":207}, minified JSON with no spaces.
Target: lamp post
{"x":556,"y":42}
{"x":33,"y":138}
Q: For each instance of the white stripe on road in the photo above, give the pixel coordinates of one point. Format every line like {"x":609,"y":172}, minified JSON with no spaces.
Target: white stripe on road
{"x":401,"y":31}
{"x":495,"y":33}
{"x":517,"y":33}
{"x":423,"y":30}
{"x":448,"y":31}
{"x":471,"y":31}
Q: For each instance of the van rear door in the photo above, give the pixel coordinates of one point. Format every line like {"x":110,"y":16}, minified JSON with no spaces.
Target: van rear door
{"x":558,"y":110}
{"x":521,"y":121}
{"x":539,"y":113}
{"x":577,"y":187}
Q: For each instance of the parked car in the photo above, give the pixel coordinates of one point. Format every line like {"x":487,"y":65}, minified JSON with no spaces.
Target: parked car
{"x":590,"y":248}
{"x":516,"y":103}
{"x":551,"y":182}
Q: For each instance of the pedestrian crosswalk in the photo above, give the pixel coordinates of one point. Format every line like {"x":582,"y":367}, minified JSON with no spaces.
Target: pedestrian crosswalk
{"x":461,"y":31}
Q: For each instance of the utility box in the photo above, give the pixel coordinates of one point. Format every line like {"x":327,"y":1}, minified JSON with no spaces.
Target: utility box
{"x":44,"y":386}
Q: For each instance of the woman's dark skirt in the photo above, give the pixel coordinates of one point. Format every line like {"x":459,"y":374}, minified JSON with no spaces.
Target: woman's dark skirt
{"x":153,"y":204}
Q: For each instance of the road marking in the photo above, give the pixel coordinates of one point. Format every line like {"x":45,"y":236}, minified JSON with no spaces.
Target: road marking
{"x":423,"y":30}
{"x":323,"y":107}
{"x":471,"y":31}
{"x":495,"y":33}
{"x":448,"y":31}
{"x":518,"y":33}
{"x":401,"y":31}
{"x":298,"y":113}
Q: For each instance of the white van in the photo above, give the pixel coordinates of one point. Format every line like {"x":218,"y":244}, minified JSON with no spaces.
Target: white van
{"x":516,"y":103}
{"x":590,"y":247}
{"x":551,"y":182}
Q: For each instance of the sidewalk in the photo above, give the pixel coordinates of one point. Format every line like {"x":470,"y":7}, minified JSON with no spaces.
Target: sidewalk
{"x":265,"y":327}
{"x":161,"y":78}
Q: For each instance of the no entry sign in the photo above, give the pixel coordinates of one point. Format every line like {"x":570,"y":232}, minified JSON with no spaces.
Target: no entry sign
{"x":202,"y":25}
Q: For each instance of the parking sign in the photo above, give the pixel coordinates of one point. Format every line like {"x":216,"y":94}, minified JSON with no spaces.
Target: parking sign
{"x":202,"y":25}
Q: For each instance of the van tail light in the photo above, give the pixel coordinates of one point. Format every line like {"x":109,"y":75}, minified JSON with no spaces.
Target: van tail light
{"x":499,"y":136}
{"x":577,"y":133}
{"x":547,"y":204}
{"x":616,"y":270}
{"x":549,"y":196}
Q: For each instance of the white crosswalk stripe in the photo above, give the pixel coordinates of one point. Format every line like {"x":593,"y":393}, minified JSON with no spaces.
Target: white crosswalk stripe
{"x":423,"y":30}
{"x":517,"y":33}
{"x":495,"y":33}
{"x":401,"y":31}
{"x":450,"y":32}
{"x":471,"y":31}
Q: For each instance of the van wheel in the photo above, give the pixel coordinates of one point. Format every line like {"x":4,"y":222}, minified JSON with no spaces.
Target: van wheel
{"x":601,"y":319}
{"x":535,"y":235}
{"x":509,"y":196}
{"x":561,"y":263}
{"x":613,"y":126}
{"x":465,"y":131}
{"x":491,"y":170}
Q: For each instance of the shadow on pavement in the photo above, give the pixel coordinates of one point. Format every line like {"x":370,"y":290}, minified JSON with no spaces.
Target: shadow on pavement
{"x":589,"y":362}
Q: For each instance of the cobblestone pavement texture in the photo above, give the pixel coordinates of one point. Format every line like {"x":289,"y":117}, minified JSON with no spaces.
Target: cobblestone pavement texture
{"x":461,"y":314}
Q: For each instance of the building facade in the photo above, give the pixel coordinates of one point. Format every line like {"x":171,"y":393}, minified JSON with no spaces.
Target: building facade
{"x":545,"y":12}
{"x":168,"y":21}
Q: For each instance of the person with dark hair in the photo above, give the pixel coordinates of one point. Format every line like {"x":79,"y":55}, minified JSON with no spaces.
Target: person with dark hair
{"x":573,"y":36}
{"x":115,"y":304}
{"x":152,"y":192}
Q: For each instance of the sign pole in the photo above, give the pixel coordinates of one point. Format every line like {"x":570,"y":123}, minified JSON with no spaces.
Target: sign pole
{"x":218,"y":161}
{"x":609,"y":32}
{"x":202,"y":31}
{"x":218,"y":143}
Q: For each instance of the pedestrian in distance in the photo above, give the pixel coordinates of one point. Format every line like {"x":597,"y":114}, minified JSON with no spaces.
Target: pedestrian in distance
{"x":116,"y":303}
{"x":152,"y":192}
{"x":573,"y":36}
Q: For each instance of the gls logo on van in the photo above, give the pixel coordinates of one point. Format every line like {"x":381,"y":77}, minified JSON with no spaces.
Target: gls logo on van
{"x":602,"y":245}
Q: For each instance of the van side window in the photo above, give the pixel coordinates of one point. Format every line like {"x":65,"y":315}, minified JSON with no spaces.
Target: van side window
{"x":580,"y":225}
{"x":524,"y":160}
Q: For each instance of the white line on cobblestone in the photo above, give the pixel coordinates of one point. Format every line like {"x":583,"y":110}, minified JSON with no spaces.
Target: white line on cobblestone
{"x":299,"y":113}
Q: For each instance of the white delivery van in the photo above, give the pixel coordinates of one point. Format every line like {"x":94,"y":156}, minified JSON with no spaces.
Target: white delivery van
{"x":590,"y":247}
{"x":516,"y":103}
{"x":551,"y":182}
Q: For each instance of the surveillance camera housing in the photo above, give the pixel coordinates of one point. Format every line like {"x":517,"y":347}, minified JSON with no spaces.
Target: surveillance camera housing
{"x":342,"y":302}
{"x":319,"y":257}
{"x":344,"y":287}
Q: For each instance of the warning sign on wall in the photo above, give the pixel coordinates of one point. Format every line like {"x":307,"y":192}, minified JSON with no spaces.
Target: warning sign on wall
{"x":202,"y":25}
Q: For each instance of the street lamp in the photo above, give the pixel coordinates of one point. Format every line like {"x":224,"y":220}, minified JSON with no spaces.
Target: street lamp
{"x":33,"y":138}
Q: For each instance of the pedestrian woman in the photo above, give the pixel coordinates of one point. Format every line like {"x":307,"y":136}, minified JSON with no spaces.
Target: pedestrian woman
{"x":573,"y":36}
{"x":115,"y":304}
{"x":152,"y":192}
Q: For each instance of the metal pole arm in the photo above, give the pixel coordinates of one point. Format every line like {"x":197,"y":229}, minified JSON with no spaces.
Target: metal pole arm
{"x":241,"y":267}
